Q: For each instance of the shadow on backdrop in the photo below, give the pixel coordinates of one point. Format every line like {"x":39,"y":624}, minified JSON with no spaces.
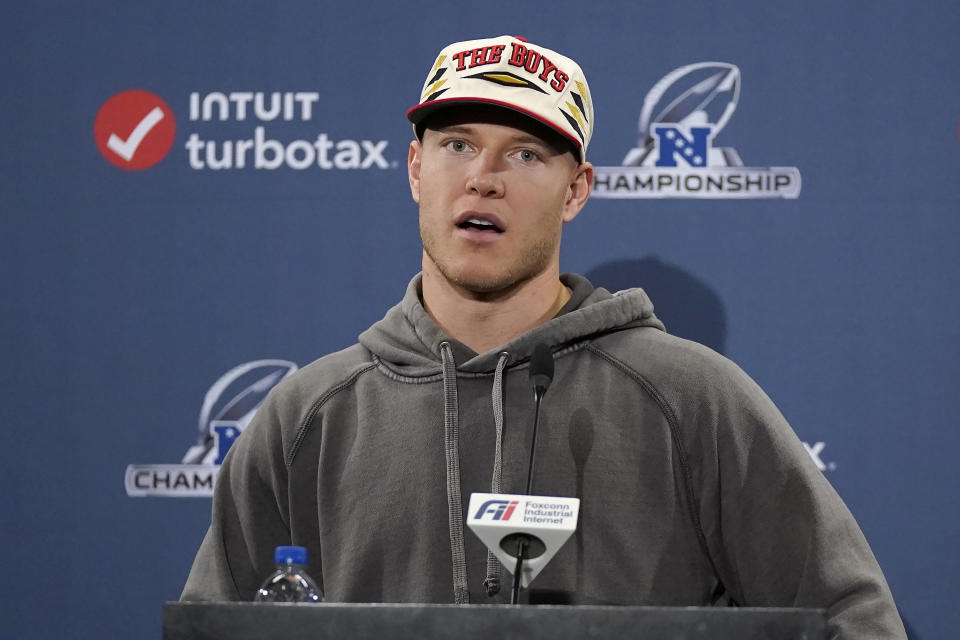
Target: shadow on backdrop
{"x":686,"y":305}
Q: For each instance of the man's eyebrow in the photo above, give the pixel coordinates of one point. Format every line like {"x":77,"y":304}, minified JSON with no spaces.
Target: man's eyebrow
{"x":532,"y":139}
{"x":456,"y":128}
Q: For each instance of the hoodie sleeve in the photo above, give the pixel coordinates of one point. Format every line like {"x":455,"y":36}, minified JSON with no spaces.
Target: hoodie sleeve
{"x":249,"y":515}
{"x":778,"y":532}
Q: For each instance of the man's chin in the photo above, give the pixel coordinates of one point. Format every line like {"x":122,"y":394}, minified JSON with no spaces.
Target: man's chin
{"x":486,"y":282}
{"x":488,"y":286}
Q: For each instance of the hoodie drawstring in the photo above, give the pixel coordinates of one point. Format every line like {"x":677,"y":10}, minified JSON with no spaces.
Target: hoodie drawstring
{"x":451,"y":431}
{"x":492,"y":582}
{"x":451,"y":436}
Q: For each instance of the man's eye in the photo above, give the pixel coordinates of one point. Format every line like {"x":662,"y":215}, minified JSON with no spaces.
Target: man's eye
{"x":527,"y":155}
{"x":457,"y":145}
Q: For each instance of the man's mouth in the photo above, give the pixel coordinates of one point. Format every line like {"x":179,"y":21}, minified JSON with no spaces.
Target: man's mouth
{"x":480,"y":223}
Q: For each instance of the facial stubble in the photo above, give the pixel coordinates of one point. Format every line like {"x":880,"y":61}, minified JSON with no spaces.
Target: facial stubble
{"x":534,"y":260}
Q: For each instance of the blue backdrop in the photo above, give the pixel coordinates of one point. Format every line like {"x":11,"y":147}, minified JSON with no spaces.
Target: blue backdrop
{"x":128,"y":293}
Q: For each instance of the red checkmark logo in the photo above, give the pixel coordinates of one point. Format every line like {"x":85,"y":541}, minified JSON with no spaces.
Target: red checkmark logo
{"x":134,"y":129}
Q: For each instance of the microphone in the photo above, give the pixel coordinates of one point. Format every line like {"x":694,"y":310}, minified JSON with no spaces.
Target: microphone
{"x":525,"y":531}
{"x":541,"y":375}
{"x":541,"y":369}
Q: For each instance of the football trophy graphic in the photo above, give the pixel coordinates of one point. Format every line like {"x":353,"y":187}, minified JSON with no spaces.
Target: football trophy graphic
{"x":231,"y":402}
{"x":702,"y":95}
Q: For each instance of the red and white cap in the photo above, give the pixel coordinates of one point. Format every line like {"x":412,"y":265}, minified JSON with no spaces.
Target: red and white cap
{"x":512,"y":73}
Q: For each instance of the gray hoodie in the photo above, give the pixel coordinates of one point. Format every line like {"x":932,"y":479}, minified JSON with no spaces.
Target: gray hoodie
{"x":693,"y":487}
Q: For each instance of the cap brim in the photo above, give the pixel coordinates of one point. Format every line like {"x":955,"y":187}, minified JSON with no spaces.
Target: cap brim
{"x":418,"y":113}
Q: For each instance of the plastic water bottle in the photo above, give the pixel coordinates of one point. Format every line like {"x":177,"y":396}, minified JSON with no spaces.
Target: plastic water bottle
{"x":290,"y":582}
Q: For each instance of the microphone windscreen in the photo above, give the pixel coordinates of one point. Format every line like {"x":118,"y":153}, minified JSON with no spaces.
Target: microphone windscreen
{"x":541,"y":367}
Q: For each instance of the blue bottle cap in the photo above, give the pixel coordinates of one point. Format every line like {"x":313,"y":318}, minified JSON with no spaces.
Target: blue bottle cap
{"x":290,"y":555}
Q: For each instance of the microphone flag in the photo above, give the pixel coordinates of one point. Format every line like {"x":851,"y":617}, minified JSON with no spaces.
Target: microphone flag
{"x":498,"y":519}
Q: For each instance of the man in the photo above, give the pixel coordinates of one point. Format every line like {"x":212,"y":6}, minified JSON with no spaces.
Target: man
{"x":693,"y":488}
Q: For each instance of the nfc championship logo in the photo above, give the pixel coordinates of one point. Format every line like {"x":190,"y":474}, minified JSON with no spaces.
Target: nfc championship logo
{"x":676,"y":157}
{"x":227,"y":409}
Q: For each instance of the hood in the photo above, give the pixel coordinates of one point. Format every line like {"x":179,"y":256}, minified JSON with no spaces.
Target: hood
{"x":408,"y":340}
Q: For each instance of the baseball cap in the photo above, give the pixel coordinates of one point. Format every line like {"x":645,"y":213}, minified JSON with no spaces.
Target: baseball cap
{"x":512,"y":73}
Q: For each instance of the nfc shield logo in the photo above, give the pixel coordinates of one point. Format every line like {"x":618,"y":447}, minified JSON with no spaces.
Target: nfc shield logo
{"x":674,"y":144}
{"x":499,"y":509}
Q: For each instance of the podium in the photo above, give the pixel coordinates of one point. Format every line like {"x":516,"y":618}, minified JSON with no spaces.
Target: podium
{"x":267,"y":621}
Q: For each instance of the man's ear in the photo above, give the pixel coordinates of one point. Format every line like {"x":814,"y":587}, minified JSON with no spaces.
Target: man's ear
{"x":413,"y":169}
{"x":578,"y":191}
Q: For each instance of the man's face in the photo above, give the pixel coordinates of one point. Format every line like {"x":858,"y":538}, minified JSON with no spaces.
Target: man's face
{"x":494,"y":190}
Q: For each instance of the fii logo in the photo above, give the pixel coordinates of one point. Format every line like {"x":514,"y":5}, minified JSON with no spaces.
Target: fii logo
{"x":498,"y":509}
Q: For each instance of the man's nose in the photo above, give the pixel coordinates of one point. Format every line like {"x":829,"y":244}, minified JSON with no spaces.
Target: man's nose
{"x":486,"y":178}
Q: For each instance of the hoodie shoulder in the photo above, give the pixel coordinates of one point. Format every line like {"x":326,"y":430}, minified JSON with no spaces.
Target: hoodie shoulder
{"x":326,"y":372}
{"x":679,"y":369}
{"x":290,"y":403}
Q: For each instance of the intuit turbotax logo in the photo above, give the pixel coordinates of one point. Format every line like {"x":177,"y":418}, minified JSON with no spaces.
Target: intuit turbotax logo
{"x":228,"y":407}
{"x":135,"y":130}
{"x":676,"y":156}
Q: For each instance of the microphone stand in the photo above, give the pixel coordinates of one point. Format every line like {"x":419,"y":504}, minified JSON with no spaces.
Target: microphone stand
{"x":524,"y":541}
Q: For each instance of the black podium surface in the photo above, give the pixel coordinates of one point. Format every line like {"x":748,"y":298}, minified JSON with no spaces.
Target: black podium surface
{"x":253,"y":621}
